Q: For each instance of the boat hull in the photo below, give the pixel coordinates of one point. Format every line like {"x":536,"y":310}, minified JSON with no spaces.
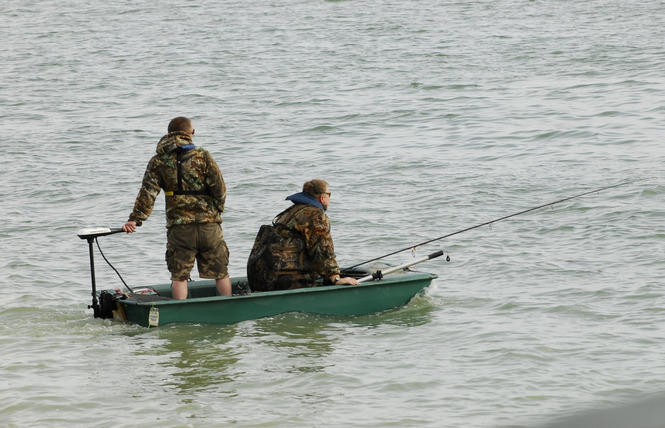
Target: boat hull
{"x":204,"y":306}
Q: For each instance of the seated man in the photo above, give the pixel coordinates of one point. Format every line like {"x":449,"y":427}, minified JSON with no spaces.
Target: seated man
{"x":297,"y":248}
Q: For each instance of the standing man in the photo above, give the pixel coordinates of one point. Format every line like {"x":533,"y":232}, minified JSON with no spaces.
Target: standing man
{"x":195,"y":194}
{"x":298,"y":247}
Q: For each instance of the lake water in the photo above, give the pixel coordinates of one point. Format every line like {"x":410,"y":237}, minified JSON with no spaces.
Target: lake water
{"x":426,"y":117}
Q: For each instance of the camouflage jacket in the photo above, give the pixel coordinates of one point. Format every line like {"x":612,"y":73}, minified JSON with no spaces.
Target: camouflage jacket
{"x":307,"y":243}
{"x":193,"y":184}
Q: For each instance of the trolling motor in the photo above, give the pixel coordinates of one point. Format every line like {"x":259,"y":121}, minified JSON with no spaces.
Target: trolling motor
{"x":90,"y":235}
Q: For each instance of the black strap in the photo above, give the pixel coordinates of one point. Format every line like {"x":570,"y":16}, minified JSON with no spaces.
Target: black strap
{"x":180,"y":191}
{"x":316,"y":191}
{"x":284,"y":226}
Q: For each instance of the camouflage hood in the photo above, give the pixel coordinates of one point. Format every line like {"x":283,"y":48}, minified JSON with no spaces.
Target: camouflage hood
{"x":172,"y":141}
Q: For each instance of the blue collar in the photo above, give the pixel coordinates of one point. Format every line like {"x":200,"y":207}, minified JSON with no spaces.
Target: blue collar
{"x":184,"y":148}
{"x":304,"y":198}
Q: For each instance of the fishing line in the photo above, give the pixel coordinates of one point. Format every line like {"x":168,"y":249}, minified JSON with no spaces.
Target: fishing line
{"x":112,"y":267}
{"x":413,"y":247}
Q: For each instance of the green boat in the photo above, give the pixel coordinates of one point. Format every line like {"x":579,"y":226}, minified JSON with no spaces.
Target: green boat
{"x":154,"y":306}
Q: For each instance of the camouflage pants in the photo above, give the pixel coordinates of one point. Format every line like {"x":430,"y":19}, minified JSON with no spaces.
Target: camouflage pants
{"x":200,"y":242}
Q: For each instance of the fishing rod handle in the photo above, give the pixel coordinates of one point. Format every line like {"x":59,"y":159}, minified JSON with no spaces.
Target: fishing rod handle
{"x":435,"y":255}
{"x":380,"y":273}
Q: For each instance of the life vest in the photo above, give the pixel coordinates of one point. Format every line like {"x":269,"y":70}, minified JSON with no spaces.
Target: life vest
{"x":179,"y":191}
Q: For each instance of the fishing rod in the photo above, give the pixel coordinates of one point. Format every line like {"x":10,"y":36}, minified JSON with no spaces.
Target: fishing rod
{"x":490,"y":222}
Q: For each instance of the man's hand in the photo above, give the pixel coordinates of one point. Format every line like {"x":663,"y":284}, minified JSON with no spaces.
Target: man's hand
{"x":130,"y":226}
{"x":347,"y":281}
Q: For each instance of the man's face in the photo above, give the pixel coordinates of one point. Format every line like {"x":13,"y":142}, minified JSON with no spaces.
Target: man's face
{"x":325,"y":199}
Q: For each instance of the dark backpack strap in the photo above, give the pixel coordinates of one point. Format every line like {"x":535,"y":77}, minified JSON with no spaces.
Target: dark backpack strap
{"x":179,"y":191}
{"x":284,"y":226}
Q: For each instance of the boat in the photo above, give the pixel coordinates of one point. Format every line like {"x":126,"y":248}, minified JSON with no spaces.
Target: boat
{"x":381,"y":288}
{"x":153,"y":306}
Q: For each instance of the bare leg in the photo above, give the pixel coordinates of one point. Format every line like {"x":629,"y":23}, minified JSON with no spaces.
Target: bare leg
{"x":224,"y":286}
{"x":179,"y":289}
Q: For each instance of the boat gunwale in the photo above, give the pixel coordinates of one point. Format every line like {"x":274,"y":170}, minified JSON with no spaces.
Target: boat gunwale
{"x":408,"y":276}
